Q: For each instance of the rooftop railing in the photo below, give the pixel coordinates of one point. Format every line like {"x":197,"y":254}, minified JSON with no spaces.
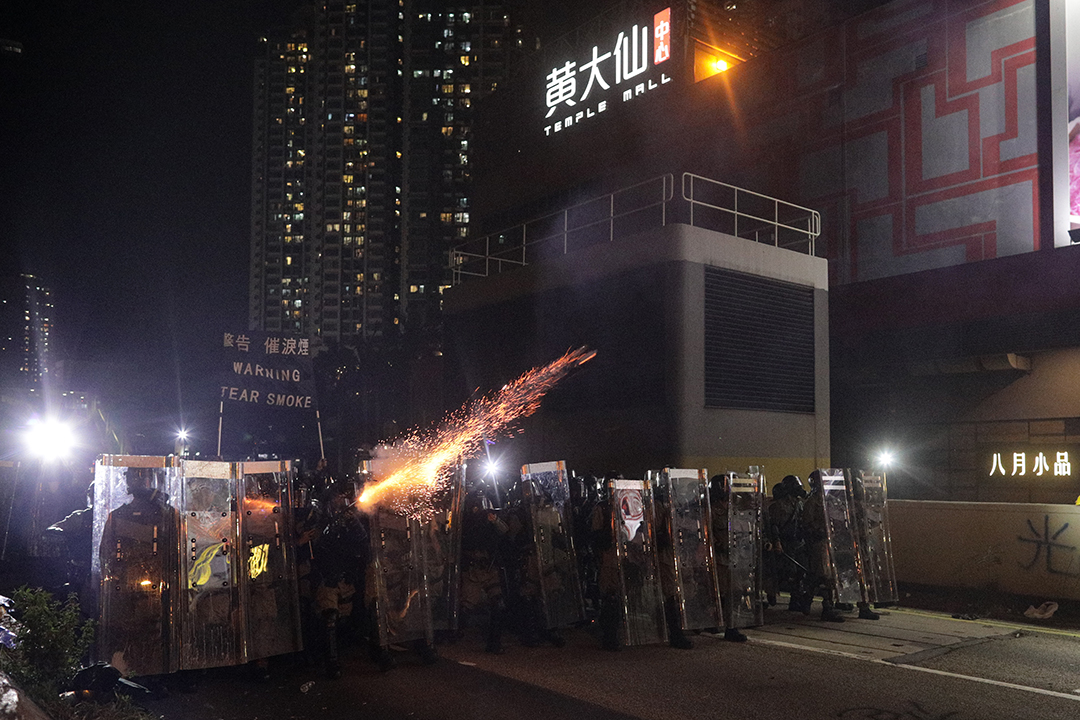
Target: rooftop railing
{"x":704,"y":203}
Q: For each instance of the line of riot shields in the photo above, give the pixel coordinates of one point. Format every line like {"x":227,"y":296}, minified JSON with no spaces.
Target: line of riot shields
{"x":857,"y":536}
{"x":194,"y":562}
{"x":202,"y":564}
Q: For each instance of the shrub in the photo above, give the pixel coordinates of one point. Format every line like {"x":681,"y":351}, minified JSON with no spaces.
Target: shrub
{"x":51,"y":641}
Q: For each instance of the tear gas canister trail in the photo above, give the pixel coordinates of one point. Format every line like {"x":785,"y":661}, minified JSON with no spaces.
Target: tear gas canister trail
{"x":416,"y":468}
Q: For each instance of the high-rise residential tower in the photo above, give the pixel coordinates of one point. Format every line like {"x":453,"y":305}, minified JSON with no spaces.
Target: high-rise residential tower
{"x":26,"y":317}
{"x":360,"y":167}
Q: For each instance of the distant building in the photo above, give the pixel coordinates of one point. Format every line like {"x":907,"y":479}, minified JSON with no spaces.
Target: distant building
{"x":26,"y":319}
{"x":361,"y":163}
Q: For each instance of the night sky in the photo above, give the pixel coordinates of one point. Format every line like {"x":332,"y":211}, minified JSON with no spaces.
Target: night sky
{"x":125,"y":129}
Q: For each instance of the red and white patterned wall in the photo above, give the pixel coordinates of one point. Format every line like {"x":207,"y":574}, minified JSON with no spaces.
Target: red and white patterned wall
{"x":913,"y":129}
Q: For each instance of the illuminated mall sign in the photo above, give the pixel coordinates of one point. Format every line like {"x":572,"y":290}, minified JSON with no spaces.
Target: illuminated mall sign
{"x":582,"y":89}
{"x":1044,"y":462}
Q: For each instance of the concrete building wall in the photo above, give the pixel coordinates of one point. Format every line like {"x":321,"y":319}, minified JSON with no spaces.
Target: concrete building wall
{"x":1027,"y":549}
{"x":640,"y":302}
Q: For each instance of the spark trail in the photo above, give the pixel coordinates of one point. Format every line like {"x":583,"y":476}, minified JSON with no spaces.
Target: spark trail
{"x":417,"y":467}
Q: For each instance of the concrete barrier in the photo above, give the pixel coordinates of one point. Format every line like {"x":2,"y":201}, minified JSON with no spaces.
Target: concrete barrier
{"x":1027,"y":549}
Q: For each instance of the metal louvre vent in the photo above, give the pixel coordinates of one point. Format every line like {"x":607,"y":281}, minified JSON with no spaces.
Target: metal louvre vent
{"x":759,"y":343}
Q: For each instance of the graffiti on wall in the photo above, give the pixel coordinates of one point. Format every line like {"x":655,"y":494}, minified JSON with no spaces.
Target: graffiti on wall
{"x":1046,"y":546}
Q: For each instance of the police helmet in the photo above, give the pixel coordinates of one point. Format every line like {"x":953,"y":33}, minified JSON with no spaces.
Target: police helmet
{"x":793,"y":486}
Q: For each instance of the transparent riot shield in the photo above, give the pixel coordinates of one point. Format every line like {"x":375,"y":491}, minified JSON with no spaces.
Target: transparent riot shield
{"x":267,"y":574}
{"x":442,"y":533}
{"x":553,"y":565}
{"x":402,"y":602}
{"x":212,"y":623}
{"x":136,"y":536}
{"x":746,"y":502}
{"x":633,"y":525}
{"x":869,"y":511}
{"x":840,"y":537}
{"x":685,"y":544}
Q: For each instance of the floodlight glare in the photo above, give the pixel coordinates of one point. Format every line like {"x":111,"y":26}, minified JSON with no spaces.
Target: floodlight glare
{"x":49,"y":439}
{"x":885,"y":458}
{"x":491,"y":467}
{"x":182,"y":435}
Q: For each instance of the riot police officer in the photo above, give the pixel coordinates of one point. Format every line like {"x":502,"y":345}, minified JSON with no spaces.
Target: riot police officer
{"x":787,"y":558}
{"x":137,"y":563}
{"x":340,"y":559}
{"x":815,"y":535}
{"x":77,"y":533}
{"x":484,"y":554}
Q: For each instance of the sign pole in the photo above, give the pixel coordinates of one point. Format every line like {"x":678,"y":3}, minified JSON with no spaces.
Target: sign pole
{"x":221,"y":411}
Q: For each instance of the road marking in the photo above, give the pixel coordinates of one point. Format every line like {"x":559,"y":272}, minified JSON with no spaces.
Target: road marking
{"x":946,"y":673}
{"x":823,"y":651}
{"x":987,"y":681}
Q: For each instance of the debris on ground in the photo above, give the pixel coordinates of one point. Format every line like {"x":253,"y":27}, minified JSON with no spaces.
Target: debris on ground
{"x":1044,"y":611}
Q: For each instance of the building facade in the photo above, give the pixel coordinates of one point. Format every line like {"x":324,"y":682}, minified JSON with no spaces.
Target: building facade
{"x":361,"y":163}
{"x":935,"y":138}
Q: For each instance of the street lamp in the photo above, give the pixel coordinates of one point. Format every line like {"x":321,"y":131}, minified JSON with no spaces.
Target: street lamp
{"x":49,"y":439}
{"x":181,"y":446}
{"x":885,"y":458}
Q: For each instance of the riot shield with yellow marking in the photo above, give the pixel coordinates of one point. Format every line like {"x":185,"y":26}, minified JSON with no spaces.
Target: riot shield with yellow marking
{"x":267,"y":577}
{"x":211,"y":622}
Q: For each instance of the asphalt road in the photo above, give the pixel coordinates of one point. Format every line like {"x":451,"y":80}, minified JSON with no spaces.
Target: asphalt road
{"x":908,"y":666}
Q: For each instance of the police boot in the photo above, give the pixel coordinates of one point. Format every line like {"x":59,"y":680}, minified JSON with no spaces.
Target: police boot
{"x":333,"y":663}
{"x":829,"y":613}
{"x":865,"y":613}
{"x":676,"y":637}
{"x":426,"y":651}
{"x":609,"y":624}
{"x":734,"y":635}
{"x":493,"y":643}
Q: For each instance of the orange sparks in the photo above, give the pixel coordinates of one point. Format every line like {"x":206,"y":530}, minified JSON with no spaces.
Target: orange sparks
{"x":419,"y":466}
